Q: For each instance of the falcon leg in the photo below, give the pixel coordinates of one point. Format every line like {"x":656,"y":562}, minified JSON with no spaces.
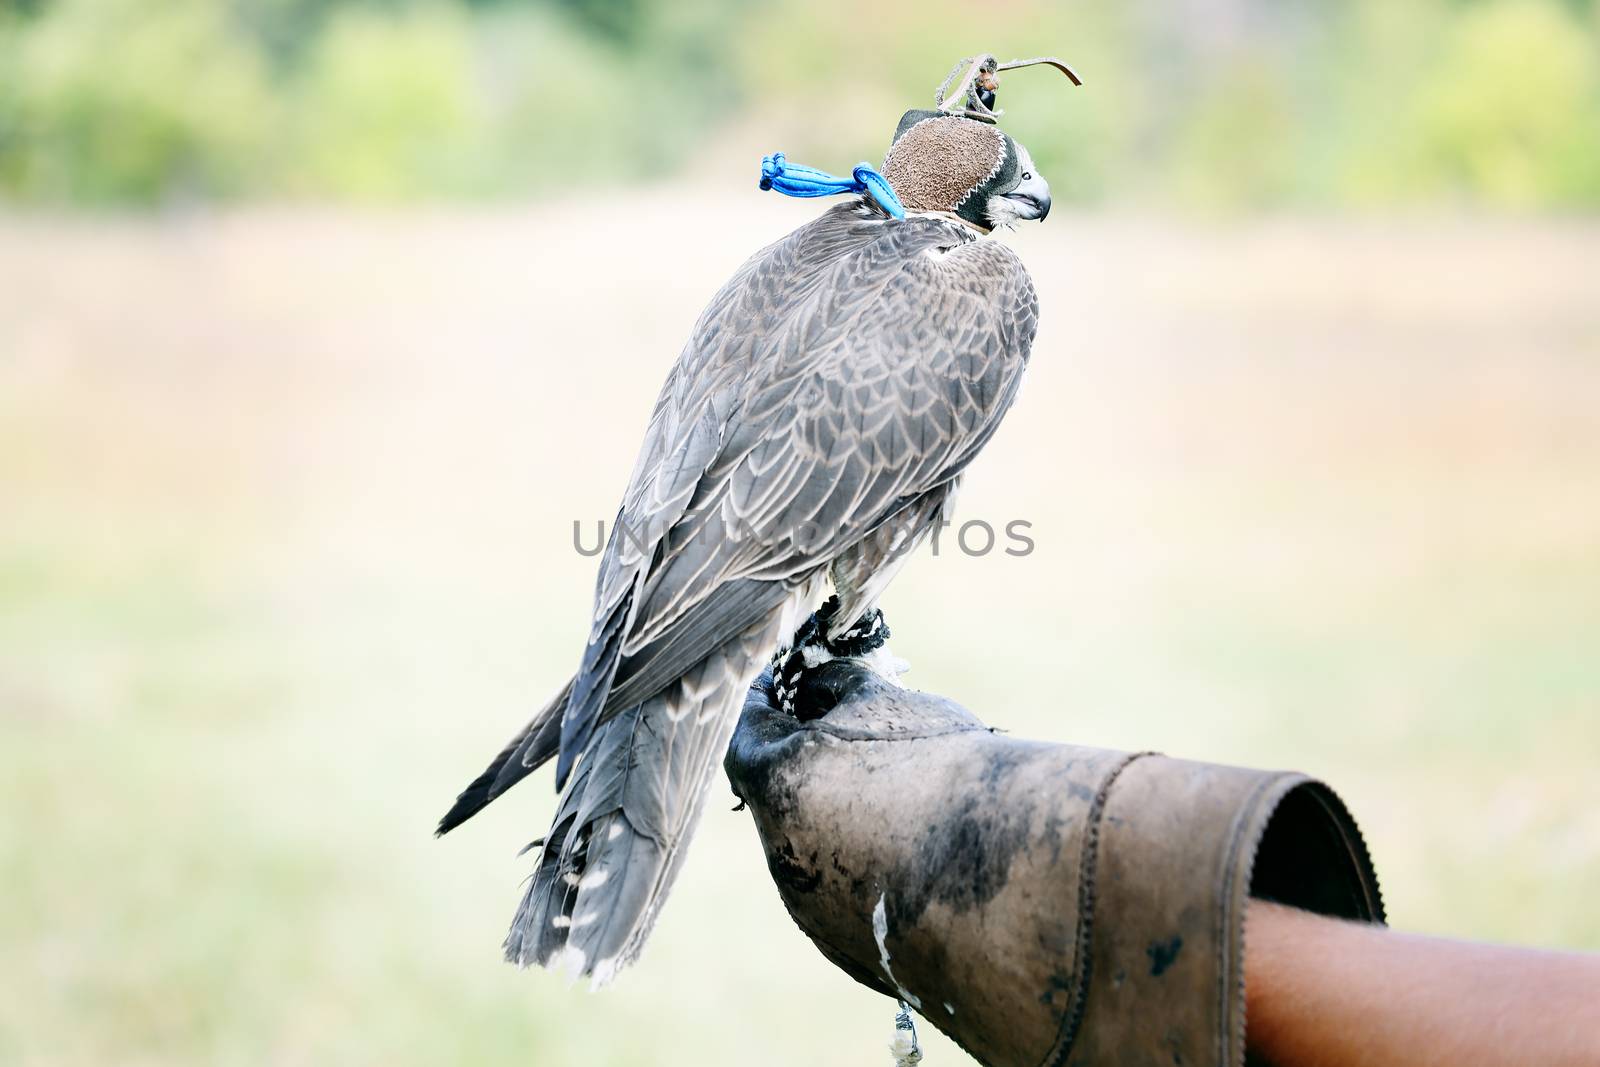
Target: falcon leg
{"x":810,"y":648}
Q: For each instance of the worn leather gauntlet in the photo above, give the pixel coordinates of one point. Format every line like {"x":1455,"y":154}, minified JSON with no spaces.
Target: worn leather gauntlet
{"x":1040,"y":903}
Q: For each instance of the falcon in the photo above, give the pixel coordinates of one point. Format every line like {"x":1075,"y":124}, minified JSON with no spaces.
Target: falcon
{"x":815,"y":427}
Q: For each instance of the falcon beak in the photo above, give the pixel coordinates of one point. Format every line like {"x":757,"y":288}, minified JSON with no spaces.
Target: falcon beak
{"x":1031,"y":199}
{"x":1031,"y":207}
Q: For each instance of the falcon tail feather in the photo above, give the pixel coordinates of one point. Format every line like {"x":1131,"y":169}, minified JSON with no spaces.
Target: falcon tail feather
{"x":631,"y":804}
{"x":618,"y":838}
{"x":523,"y":754}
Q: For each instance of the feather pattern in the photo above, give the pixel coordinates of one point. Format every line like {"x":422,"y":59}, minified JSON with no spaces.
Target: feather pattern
{"x":632,"y":800}
{"x":821,"y":415}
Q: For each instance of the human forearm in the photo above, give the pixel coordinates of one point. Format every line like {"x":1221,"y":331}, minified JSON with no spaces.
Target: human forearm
{"x":1326,"y":993}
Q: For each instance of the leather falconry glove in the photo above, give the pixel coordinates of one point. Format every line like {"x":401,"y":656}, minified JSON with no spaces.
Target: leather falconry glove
{"x":1040,"y":903}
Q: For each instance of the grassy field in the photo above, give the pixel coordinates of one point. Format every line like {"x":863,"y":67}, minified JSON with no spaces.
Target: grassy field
{"x":286,"y":507}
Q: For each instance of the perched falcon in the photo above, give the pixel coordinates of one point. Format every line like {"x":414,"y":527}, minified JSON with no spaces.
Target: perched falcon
{"x":815,"y":426}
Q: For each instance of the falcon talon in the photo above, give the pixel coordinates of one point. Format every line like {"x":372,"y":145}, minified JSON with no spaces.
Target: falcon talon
{"x":867,"y":635}
{"x":810,"y":648}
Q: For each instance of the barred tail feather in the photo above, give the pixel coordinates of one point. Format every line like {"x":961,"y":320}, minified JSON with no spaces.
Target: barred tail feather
{"x":625,"y":817}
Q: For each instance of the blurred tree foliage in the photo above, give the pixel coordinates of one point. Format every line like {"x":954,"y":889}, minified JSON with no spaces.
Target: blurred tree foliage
{"x":1220,"y":104}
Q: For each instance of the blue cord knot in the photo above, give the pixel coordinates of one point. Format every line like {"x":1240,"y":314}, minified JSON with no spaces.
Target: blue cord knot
{"x":793,"y":179}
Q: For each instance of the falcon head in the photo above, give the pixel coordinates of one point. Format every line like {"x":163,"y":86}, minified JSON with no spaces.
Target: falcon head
{"x":954,"y":159}
{"x":965,"y":167}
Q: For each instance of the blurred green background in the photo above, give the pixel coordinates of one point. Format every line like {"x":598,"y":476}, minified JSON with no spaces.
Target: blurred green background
{"x":1210,"y":102}
{"x":321,"y":323}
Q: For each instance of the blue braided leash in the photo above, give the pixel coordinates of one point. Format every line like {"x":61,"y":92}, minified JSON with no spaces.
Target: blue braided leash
{"x":792,"y":179}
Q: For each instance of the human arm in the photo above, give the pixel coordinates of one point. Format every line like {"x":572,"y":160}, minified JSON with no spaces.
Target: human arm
{"x":1323,"y":992}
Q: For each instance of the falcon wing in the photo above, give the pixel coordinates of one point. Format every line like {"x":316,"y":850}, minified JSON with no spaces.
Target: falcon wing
{"x":845,"y":371}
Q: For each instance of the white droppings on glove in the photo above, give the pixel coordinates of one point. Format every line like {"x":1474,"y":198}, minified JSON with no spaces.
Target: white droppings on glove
{"x":880,"y":931}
